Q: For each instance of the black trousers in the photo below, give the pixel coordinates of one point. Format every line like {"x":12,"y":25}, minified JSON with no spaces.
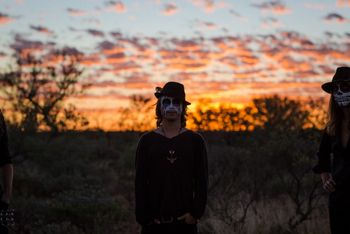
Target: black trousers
{"x":3,"y":230}
{"x":339,"y":212}
{"x":172,"y":228}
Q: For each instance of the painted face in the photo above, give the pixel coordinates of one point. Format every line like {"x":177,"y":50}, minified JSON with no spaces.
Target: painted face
{"x":341,"y":94}
{"x":171,"y":106}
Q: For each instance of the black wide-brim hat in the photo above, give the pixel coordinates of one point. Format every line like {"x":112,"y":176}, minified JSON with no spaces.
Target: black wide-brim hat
{"x":174,"y":90}
{"x":342,"y":74}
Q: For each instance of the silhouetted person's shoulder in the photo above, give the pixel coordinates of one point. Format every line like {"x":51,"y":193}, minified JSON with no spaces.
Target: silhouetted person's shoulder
{"x":147,"y":135}
{"x":195,"y":135}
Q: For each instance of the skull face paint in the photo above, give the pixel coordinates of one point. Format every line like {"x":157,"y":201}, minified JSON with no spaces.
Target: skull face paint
{"x":341,"y":94}
{"x":170,"y":106}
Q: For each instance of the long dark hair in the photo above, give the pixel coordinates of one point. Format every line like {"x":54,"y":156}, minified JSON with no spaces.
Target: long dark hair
{"x":159,"y":117}
{"x":2,"y":125}
{"x":335,"y":117}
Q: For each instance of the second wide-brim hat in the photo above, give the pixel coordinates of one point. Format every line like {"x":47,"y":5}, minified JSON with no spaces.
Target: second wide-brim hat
{"x":174,"y":90}
{"x":342,"y":74}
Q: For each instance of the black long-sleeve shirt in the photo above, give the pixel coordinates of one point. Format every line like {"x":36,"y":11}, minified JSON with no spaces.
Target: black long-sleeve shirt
{"x":171,"y":176}
{"x":4,"y":151}
{"x":334,"y":158}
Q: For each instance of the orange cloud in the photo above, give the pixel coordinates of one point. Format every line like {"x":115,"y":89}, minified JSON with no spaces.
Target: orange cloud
{"x":343,"y":3}
{"x":186,"y":45}
{"x":116,"y":58}
{"x":228,"y":69}
{"x":129,"y":66}
{"x":91,"y":60}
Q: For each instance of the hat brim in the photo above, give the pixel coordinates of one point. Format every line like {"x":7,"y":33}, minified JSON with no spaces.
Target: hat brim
{"x":327,"y":87}
{"x":158,"y":95}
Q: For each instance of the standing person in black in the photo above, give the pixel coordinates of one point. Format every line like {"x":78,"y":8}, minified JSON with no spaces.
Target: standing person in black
{"x":7,"y":170}
{"x":334,"y":152}
{"x":171,"y":169}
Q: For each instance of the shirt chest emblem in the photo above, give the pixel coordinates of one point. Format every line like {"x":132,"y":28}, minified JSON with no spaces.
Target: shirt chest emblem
{"x":171,"y":157}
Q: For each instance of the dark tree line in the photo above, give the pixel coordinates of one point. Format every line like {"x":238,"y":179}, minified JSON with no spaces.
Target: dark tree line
{"x":35,"y":91}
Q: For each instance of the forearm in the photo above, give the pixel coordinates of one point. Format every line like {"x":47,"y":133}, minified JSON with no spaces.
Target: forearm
{"x":139,"y":198}
{"x":200,"y":181}
{"x":324,"y":155}
{"x":200,"y":201}
{"x":7,"y":175}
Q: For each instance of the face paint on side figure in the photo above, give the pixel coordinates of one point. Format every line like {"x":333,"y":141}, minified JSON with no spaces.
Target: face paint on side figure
{"x":341,"y":94}
{"x":171,"y":107}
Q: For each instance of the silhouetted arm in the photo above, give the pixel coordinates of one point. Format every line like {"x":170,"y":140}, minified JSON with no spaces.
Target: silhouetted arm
{"x":324,"y":155}
{"x":5,"y":162}
{"x":141,"y":210}
{"x":200,"y":180}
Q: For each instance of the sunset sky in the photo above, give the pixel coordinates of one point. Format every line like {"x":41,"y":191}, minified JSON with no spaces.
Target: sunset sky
{"x":228,"y":51}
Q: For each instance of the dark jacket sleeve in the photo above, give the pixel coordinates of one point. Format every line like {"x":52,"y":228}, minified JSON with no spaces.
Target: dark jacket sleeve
{"x":4,"y":150}
{"x":141,"y":184}
{"x":200,"y":180}
{"x":324,"y":155}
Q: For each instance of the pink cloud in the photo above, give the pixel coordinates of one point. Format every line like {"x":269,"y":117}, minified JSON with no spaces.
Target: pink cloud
{"x":209,"y":6}
{"x":4,"y":19}
{"x":336,"y":18}
{"x":271,"y":23}
{"x":96,"y":33}
{"x":185,"y":44}
{"x":205,"y":25}
{"x":25,"y":46}
{"x":42,"y":30}
{"x":71,"y":51}
{"x":170,"y":9}
{"x":117,"y":6}
{"x":3,"y":55}
{"x":275,"y":7}
{"x":108,"y":48}
{"x":75,"y":12}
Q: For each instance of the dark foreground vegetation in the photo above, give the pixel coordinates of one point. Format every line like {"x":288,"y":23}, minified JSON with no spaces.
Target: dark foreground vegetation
{"x":82,"y":182}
